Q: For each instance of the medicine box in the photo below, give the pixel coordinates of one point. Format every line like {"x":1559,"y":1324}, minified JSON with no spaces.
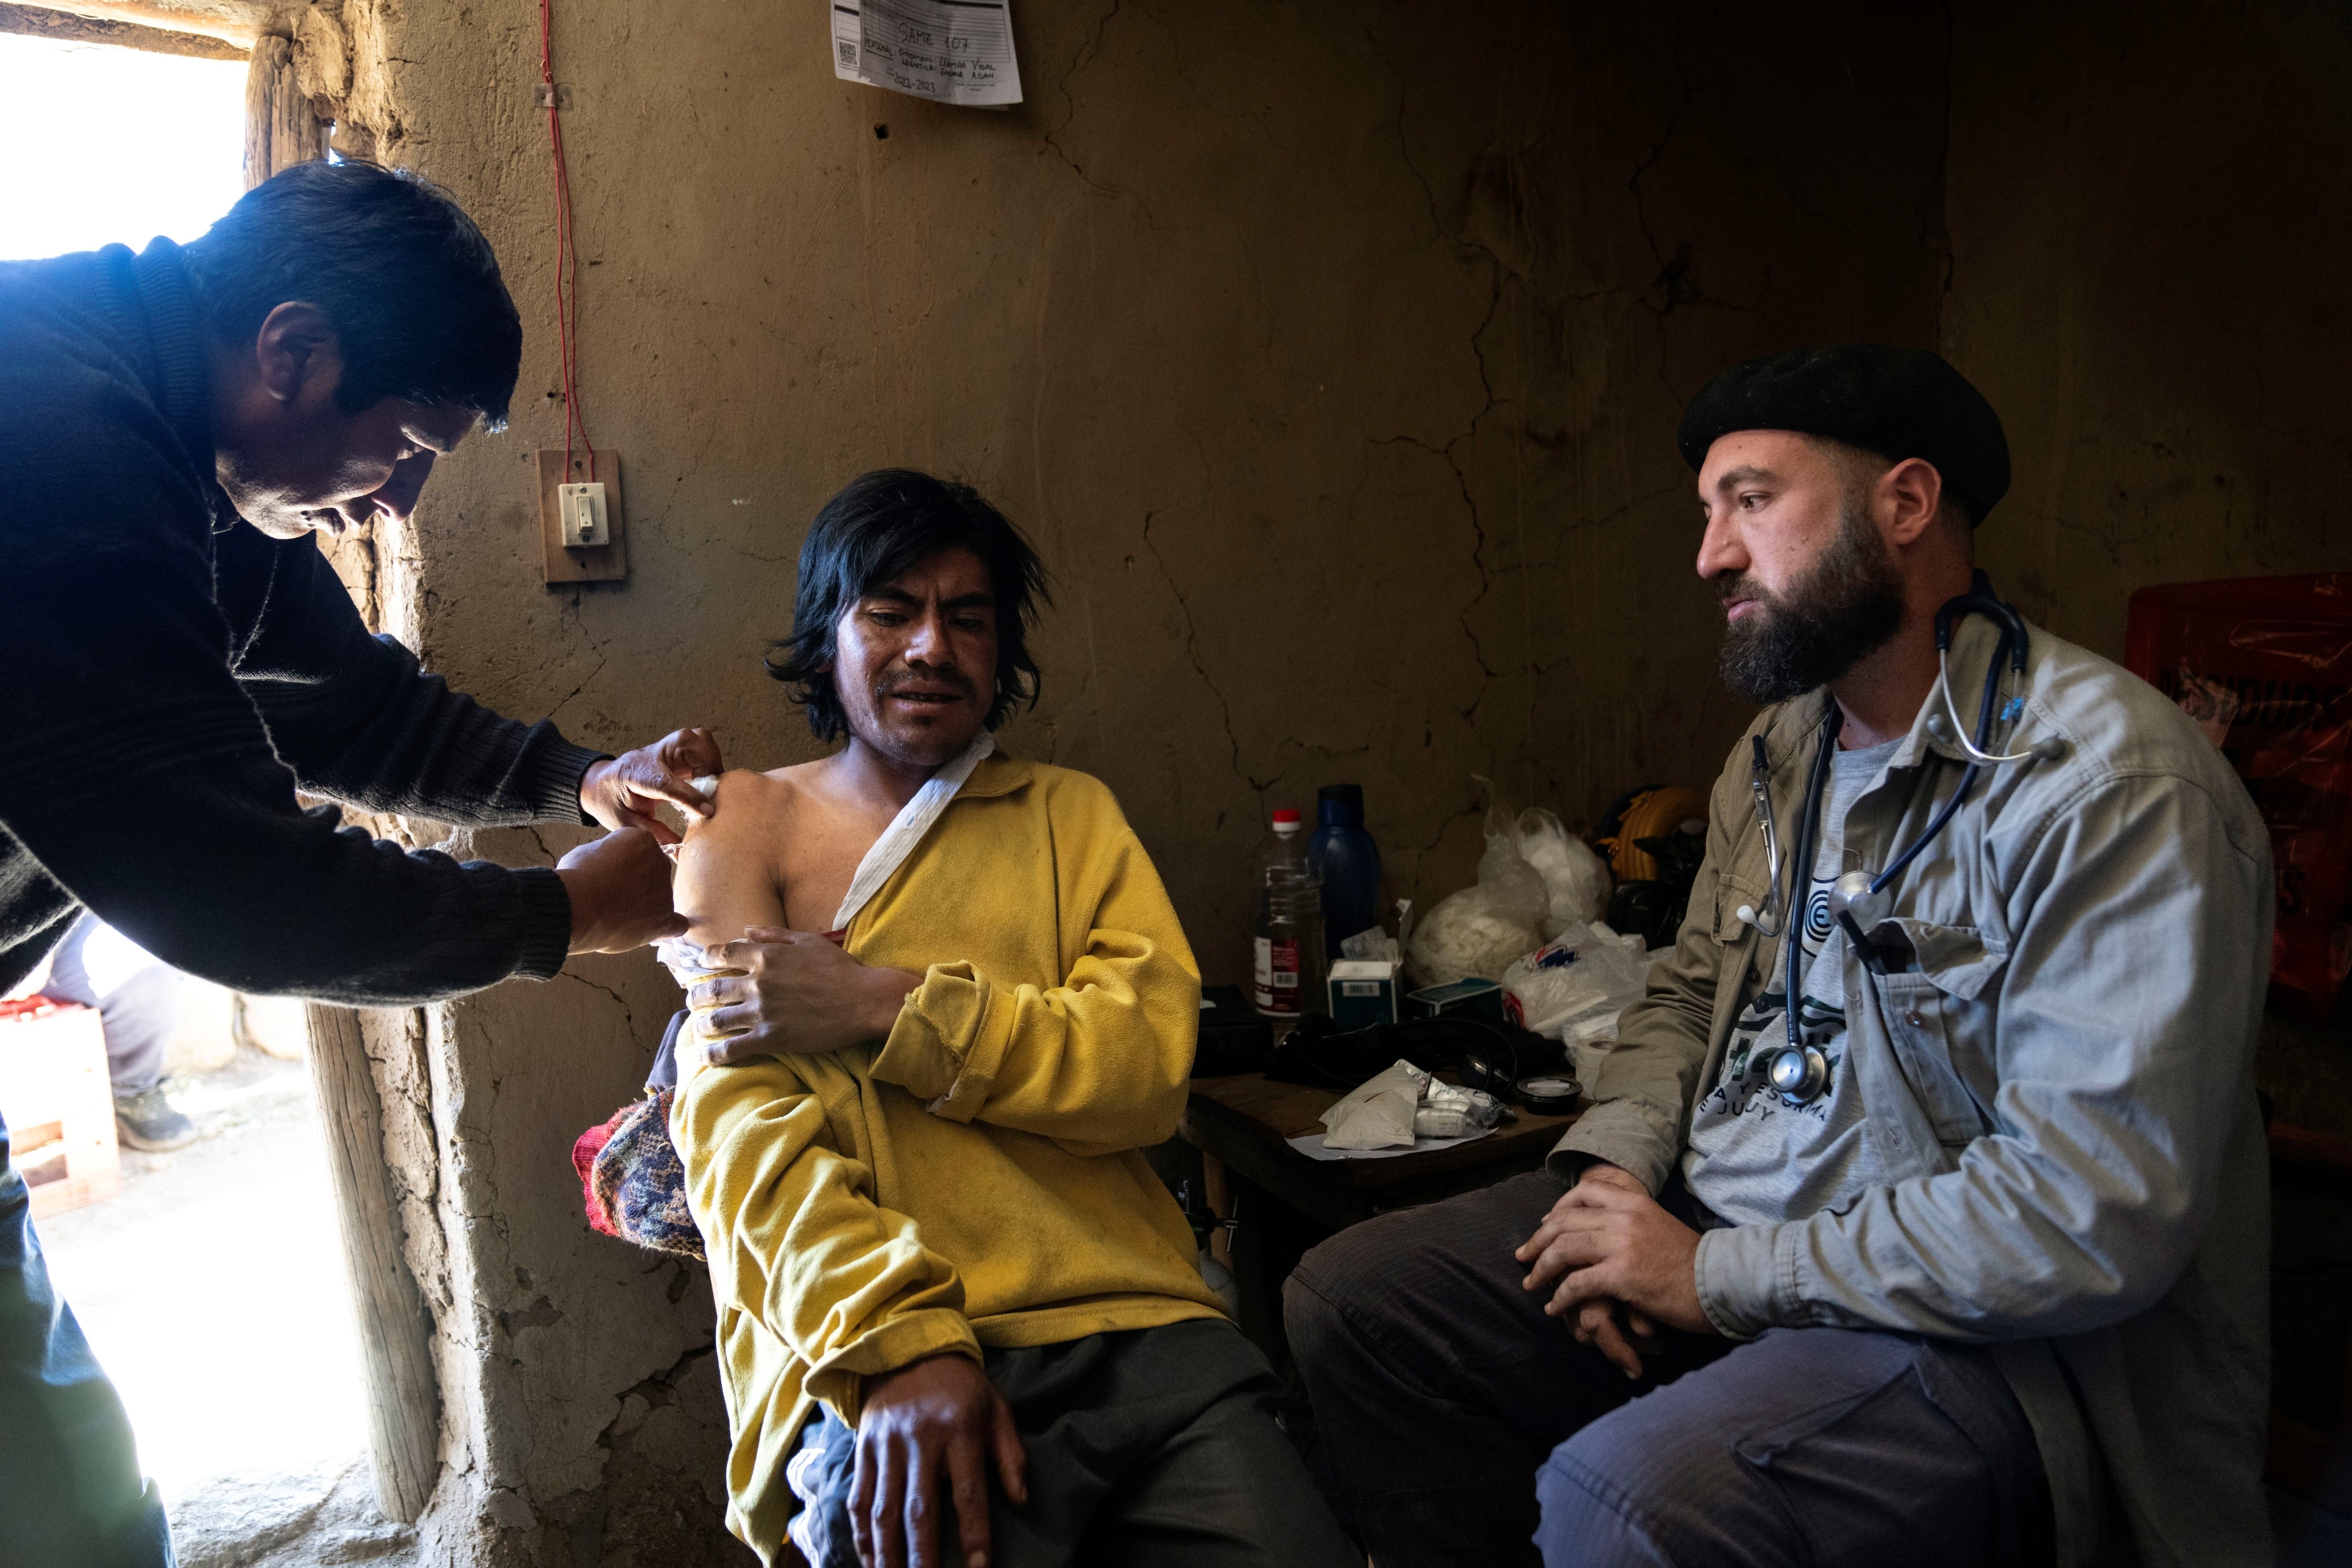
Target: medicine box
{"x":1477,"y":999}
{"x":1363,"y":993}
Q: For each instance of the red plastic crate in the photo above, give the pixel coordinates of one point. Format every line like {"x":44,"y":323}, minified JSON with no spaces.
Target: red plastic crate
{"x":2265,"y":663}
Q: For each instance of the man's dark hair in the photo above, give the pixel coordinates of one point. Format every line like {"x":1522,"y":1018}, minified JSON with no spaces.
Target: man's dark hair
{"x":409,"y":282}
{"x":880,"y":525}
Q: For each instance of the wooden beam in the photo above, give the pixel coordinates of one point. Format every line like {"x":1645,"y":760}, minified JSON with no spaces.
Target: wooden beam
{"x":41,"y":22}
{"x":238,"y":22}
{"x":279,"y":129}
{"x":395,"y":1330}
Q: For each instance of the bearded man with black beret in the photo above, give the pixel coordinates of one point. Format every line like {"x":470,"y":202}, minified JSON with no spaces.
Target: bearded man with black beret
{"x":1969,"y":1268}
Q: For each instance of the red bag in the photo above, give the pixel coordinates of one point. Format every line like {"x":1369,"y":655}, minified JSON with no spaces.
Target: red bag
{"x":2264,"y":665}
{"x":584,"y":1149}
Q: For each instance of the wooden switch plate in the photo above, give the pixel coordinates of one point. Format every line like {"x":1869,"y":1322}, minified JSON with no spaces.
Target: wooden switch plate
{"x":603,"y":563}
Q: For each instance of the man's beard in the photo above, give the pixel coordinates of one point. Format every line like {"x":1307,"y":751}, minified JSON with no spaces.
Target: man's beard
{"x":1845,"y":609}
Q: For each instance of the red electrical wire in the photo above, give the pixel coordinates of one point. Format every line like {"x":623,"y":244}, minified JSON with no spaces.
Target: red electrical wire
{"x":567,"y":257}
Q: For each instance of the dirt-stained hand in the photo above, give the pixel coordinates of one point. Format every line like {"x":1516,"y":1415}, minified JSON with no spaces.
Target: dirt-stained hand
{"x":790,"y":991}
{"x":932,"y":1425}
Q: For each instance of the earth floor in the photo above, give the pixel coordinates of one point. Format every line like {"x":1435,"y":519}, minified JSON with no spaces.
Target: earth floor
{"x":212,"y":1288}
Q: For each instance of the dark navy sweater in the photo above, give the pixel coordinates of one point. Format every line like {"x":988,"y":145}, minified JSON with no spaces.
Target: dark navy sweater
{"x":170,"y":675}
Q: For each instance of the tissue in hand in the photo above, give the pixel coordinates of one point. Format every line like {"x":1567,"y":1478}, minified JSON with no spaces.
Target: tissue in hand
{"x":1378,"y":1113}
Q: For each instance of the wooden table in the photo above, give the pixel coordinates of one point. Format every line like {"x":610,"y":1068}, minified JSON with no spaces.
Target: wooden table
{"x":1281,"y":1203}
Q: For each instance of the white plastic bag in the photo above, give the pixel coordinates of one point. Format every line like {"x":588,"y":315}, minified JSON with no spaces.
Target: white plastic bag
{"x":1377,"y":1114}
{"x":1576,"y":881}
{"x":1477,"y":933}
{"x":1573,"y":987}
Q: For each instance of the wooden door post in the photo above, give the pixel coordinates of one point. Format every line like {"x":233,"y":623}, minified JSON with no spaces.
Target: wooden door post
{"x":395,"y":1330}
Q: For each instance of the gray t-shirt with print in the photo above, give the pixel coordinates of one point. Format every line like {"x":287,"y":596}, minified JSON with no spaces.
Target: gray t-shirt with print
{"x":1754,"y":1158}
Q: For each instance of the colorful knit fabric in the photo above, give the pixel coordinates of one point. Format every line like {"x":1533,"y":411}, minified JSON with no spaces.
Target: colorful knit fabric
{"x":633,"y":1181}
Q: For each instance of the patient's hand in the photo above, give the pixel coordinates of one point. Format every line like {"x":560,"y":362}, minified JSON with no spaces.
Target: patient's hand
{"x":938,"y":1419}
{"x":798,"y":994}
{"x":1608,"y":1243}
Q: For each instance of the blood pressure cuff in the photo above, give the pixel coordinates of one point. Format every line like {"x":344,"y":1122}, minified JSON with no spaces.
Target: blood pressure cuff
{"x":1483,"y":1053}
{"x":664,"y":1074}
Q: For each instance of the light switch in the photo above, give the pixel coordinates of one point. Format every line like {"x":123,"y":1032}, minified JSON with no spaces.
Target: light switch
{"x":573,"y":547}
{"x":581,"y":508}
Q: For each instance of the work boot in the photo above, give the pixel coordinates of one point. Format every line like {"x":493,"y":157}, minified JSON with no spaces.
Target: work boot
{"x":148,"y":1121}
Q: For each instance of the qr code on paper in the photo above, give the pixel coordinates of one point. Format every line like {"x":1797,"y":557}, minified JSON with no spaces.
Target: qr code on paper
{"x":848,"y":53}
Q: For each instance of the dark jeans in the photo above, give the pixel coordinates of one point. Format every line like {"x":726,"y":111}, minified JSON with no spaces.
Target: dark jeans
{"x":70,"y":1491}
{"x":1155,"y":1449}
{"x":1464,"y":1426}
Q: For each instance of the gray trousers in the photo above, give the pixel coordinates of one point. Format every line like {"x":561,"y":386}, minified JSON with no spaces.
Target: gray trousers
{"x":1156,"y":1448}
{"x":1464,"y":1426}
{"x":139,"y":1016}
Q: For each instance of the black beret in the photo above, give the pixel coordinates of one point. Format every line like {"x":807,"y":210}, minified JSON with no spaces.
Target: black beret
{"x":1898,"y":403}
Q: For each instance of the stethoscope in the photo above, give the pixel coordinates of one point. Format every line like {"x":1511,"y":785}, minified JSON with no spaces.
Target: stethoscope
{"x":1798,"y":1072}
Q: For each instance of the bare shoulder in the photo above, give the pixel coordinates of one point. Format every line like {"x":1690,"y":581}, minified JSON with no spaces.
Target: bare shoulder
{"x":726,"y":873}
{"x":747,"y":803}
{"x":799,"y":776}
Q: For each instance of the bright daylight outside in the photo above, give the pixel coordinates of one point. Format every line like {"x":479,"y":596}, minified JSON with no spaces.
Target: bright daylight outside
{"x":210,"y":1281}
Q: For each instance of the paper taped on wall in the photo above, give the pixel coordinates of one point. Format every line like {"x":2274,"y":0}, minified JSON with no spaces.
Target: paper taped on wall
{"x":956,"y":51}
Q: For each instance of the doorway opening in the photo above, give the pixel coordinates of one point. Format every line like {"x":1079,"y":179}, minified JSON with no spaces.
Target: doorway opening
{"x":106,"y":143}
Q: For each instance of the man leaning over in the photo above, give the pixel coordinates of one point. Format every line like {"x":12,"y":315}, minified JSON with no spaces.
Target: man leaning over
{"x":935,"y":1244}
{"x":1974,"y":1276}
{"x":176,"y":659}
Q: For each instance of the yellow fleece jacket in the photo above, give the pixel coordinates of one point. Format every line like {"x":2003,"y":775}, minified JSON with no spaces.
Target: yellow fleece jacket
{"x":974,"y":1179}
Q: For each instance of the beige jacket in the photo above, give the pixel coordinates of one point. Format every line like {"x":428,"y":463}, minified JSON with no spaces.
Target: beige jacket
{"x":2058,"y":1092}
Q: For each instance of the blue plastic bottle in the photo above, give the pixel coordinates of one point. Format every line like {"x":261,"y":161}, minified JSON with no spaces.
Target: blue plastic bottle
{"x":1351,"y":864}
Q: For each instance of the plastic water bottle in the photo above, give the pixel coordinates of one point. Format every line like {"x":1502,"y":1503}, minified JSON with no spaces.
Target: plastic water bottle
{"x":1288,"y":929}
{"x":1349,"y":863}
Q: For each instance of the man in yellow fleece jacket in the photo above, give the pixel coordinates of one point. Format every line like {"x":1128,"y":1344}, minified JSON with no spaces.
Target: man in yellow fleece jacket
{"x":914,"y":1152}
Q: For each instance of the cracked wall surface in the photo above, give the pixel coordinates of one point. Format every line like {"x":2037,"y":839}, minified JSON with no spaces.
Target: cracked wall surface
{"x":2145,"y":211}
{"x":1330,"y":352}
{"x":2147,"y":207}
